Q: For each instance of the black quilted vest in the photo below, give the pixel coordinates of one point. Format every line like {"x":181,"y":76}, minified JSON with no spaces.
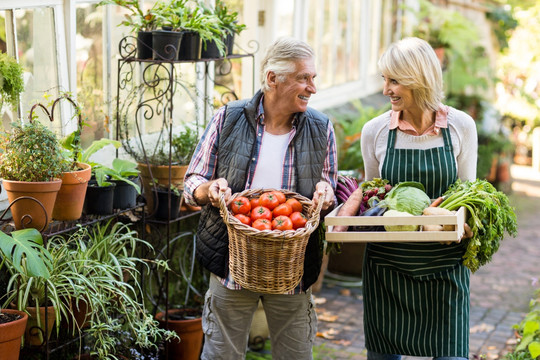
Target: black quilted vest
{"x":235,"y":150}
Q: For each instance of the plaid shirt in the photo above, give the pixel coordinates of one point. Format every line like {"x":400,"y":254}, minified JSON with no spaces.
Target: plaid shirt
{"x":203,"y":164}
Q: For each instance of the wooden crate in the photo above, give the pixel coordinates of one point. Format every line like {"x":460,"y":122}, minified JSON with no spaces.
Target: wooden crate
{"x":331,"y":220}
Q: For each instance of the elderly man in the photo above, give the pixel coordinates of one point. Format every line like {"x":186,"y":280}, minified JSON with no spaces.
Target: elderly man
{"x":273,"y":140}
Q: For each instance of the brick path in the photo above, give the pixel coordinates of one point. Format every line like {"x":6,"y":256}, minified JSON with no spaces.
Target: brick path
{"x":500,"y":291}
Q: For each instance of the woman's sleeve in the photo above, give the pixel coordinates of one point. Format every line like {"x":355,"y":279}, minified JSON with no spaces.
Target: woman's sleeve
{"x":367,"y":143}
{"x":468,"y":155}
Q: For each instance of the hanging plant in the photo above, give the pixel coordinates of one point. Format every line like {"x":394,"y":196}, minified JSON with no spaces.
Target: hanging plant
{"x":11,"y":80}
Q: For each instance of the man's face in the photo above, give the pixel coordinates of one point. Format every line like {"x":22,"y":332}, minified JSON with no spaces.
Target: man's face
{"x":294,"y":92}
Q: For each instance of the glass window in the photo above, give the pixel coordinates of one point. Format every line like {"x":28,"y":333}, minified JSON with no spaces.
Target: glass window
{"x":334,"y":31}
{"x":35,"y":44}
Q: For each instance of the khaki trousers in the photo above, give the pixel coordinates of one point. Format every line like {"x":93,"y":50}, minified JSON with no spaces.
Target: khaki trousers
{"x":227,"y":317}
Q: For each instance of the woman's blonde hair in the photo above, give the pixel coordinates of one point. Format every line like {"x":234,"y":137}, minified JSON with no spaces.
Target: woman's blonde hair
{"x":281,"y":57}
{"x":412,"y":62}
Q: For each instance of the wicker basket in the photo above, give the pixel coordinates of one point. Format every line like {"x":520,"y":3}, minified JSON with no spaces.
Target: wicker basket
{"x":268,"y":261}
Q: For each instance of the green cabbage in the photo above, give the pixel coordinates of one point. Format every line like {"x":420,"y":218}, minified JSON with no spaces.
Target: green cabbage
{"x":390,"y":213}
{"x":407,"y":197}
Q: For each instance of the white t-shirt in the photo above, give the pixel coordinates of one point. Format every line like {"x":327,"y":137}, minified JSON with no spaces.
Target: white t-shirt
{"x":269,"y":170}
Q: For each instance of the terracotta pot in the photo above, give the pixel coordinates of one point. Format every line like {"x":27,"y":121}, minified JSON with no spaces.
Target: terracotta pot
{"x":191,"y":335}
{"x":33,"y":334}
{"x":161,"y":174}
{"x":70,"y":200}
{"x":80,"y":311}
{"x":10,"y":335}
{"x":27,"y":213}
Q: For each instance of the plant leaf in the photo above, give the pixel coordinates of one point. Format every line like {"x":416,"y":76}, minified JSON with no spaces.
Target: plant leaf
{"x":534,"y":349}
{"x":24,"y":249}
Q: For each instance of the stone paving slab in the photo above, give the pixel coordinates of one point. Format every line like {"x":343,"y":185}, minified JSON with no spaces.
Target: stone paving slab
{"x":500,"y":290}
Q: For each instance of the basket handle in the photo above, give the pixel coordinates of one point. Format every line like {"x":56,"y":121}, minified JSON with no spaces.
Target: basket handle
{"x":318,"y":208}
{"x":223,"y":207}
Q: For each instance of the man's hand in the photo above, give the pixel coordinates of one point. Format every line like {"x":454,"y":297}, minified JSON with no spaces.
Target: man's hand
{"x":211,"y":191}
{"x":324,"y":193}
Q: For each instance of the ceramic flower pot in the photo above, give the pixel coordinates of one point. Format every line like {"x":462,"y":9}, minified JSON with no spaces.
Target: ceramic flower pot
{"x":10,"y":335}
{"x":29,"y":213}
{"x":161,"y":174}
{"x":188,"y":328}
{"x":70,"y":200}
{"x":34,"y":333}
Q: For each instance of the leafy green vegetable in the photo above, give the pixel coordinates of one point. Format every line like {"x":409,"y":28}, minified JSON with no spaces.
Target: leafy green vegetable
{"x":407,"y":196}
{"x":490,"y":216}
{"x":399,"y":227}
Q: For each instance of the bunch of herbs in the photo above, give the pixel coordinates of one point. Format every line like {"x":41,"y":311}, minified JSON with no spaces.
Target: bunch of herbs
{"x":490,"y":217}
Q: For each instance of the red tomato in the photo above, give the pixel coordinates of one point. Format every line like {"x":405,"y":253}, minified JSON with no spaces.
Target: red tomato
{"x":240,"y":205}
{"x":282,"y":222}
{"x":261,"y":212}
{"x":298,"y":219}
{"x":244,"y":219}
{"x":282,"y":209}
{"x":295,"y":204}
{"x":262,"y":224}
{"x":269,"y":200}
{"x":280,"y":196}
{"x":254,"y":202}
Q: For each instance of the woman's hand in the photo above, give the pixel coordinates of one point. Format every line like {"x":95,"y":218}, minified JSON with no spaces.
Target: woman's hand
{"x":325,"y":193}
{"x":466,"y":235}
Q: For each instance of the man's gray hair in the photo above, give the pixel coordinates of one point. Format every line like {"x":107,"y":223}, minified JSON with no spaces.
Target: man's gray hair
{"x":281,"y":56}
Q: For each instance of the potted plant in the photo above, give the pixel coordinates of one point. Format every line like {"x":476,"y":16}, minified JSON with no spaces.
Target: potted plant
{"x":31,"y":167}
{"x":33,"y":268}
{"x":162,"y":194}
{"x":155,"y":166}
{"x":75,"y":174}
{"x":105,"y":257}
{"x":141,"y":22}
{"x":12,"y":325}
{"x":16,"y":250}
{"x":227,"y":27}
{"x":443,"y":29}
{"x":11,"y":80}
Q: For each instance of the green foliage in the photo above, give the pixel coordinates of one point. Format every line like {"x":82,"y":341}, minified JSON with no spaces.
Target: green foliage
{"x":503,"y":22}
{"x":31,"y":152}
{"x":137,"y":19}
{"x":11,"y":80}
{"x":490,"y":145}
{"x":528,"y":330}
{"x":441,"y":27}
{"x":23,"y":252}
{"x":348,"y":124}
{"x":490,"y":216}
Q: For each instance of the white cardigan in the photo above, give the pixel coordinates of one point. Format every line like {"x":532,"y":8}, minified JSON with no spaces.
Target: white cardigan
{"x":462,"y":132}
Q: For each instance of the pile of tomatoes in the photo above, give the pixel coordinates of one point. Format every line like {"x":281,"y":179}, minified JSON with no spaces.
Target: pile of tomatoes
{"x":270,"y":211}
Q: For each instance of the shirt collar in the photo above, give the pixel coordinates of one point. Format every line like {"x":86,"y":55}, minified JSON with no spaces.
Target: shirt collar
{"x":441,"y":121}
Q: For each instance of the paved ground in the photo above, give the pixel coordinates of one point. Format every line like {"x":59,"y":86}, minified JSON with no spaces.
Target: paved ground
{"x":500,"y":291}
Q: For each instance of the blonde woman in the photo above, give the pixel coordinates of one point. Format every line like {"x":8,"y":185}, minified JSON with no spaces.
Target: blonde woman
{"x":416,"y":295}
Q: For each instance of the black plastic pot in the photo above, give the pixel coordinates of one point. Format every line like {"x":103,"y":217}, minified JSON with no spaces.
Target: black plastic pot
{"x":99,"y":199}
{"x":229,"y":43}
{"x":144,"y":45}
{"x":125,"y":195}
{"x":162,"y":212}
{"x":190,"y":47}
{"x":211,"y":50}
{"x":166,"y":44}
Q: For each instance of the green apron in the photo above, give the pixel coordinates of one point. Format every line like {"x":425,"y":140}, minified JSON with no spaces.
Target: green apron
{"x":416,"y":295}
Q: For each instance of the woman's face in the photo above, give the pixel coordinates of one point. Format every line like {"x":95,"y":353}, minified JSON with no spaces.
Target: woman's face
{"x":400,"y":96}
